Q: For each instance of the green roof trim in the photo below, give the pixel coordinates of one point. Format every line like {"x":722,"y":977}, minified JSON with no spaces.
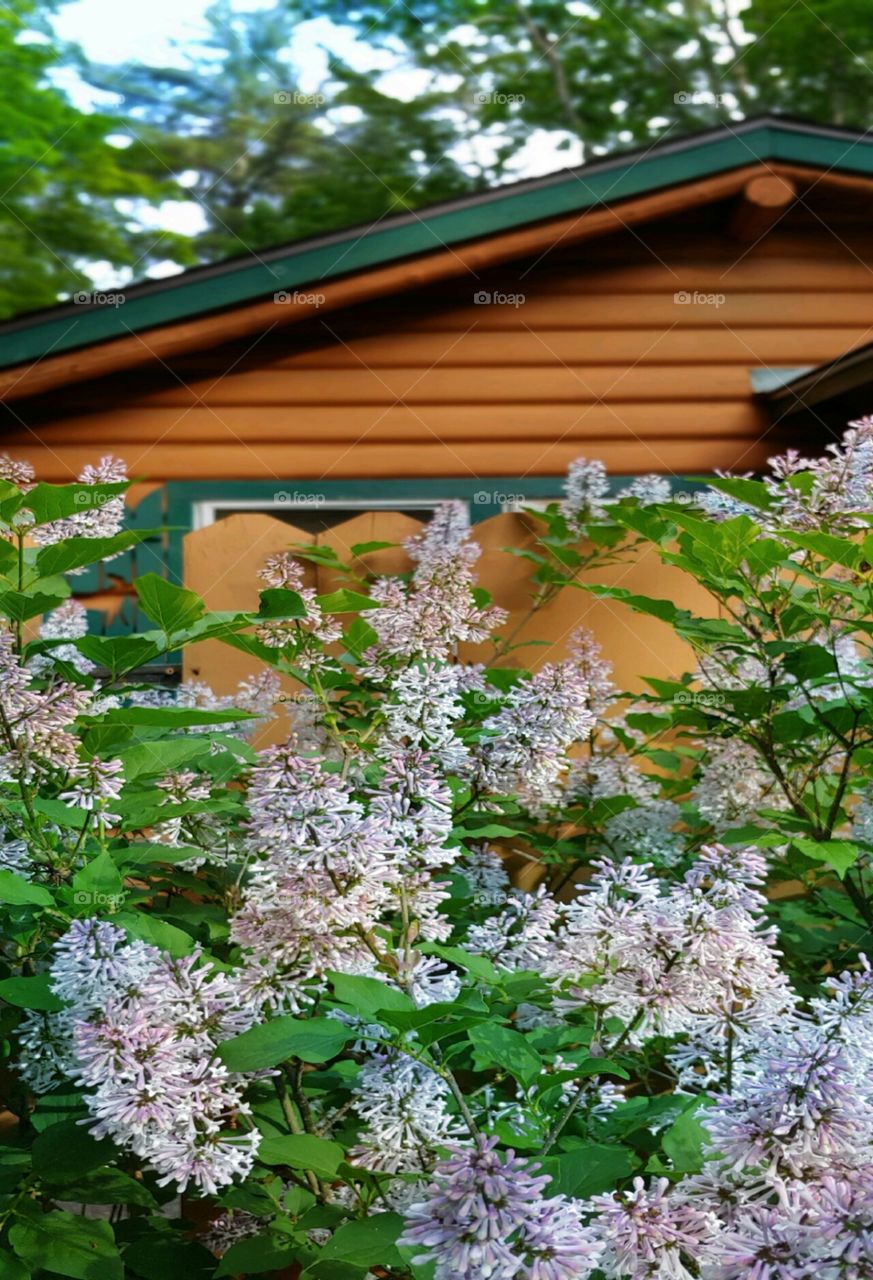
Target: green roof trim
{"x":256,"y":276}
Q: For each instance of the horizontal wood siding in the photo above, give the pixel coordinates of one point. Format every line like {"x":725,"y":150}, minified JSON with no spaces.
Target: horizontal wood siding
{"x":601,"y":357}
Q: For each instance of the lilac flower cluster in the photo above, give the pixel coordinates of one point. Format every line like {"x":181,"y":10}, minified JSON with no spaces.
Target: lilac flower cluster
{"x":283,"y":571}
{"x":100,"y":517}
{"x":37,"y":737}
{"x":835,"y":494}
{"x":524,"y":745}
{"x":435,"y":612}
{"x":326,"y":870}
{"x":694,"y":959}
{"x":485,"y":1215}
{"x":139,"y":1035}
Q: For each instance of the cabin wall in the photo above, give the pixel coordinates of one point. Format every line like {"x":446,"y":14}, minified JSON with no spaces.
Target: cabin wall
{"x":635,"y":348}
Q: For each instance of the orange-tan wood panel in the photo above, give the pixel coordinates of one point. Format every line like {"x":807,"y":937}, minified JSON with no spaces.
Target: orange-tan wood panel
{"x":541,"y":384}
{"x":632,"y":310}
{"x":221,"y":564}
{"x":317,"y":425}
{"x":623,"y":452}
{"x":745,"y":347}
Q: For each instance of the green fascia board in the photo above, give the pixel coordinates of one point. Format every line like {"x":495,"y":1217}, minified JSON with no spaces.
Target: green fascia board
{"x":255,"y":277}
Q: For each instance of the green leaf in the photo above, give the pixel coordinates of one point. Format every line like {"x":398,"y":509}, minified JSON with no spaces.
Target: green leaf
{"x":66,"y":1151}
{"x":684,"y":1141}
{"x":254,"y":1256}
{"x":302,"y":1151}
{"x":839,"y":854}
{"x":75,"y":553}
{"x":21,"y":606}
{"x":119,"y":654}
{"x":98,"y":888}
{"x":20,"y":892}
{"x":109,"y":1186}
{"x":50,"y":502}
{"x":363,"y":548}
{"x":588,"y":1169}
{"x":164,"y":936}
{"x":346,"y":601}
{"x":310,"y":1039}
{"x":752,"y":492}
{"x":368,"y":995}
{"x":277,"y":602}
{"x":168,"y":1257}
{"x":68,"y":1245}
{"x":30,"y":993}
{"x":171,"y":717}
{"x":501,"y":1047}
{"x":172,"y":608}
{"x":11,"y":1268}
{"x":366,"y":1244}
{"x":480,"y":966}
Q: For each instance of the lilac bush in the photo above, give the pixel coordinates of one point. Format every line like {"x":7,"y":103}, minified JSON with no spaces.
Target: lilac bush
{"x":283,"y":1007}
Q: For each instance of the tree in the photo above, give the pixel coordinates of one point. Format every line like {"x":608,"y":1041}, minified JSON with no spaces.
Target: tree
{"x":61,"y":178}
{"x":629,"y":71}
{"x":268,"y":162}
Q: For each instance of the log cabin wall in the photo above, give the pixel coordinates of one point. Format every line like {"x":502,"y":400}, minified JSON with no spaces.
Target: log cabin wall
{"x":635,"y":348}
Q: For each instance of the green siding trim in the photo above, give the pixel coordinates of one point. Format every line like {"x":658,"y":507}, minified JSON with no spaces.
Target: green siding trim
{"x":602,"y":182}
{"x":486,"y":496}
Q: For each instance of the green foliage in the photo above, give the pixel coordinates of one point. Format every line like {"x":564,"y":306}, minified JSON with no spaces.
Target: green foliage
{"x":61,"y":176}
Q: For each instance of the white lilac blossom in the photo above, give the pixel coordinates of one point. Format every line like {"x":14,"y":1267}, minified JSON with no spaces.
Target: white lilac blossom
{"x":648,"y":1236}
{"x":21,"y":474}
{"x":668,"y":960}
{"x":586,"y":491}
{"x":648,"y":490}
{"x":524,"y":746}
{"x":228,"y":1228}
{"x":422,"y":706}
{"x":326,"y":871}
{"x":522,"y":935}
{"x":835,"y":494}
{"x":215,"y":839}
{"x":734,"y":786}
{"x":140,"y":1035}
{"x":484,"y":1215}
{"x":283,"y":571}
{"x":256,"y":695}
{"x":37,"y":735}
{"x":434,"y":612}
{"x":68,"y":622}
{"x":485,"y":873}
{"x":99,"y":517}
{"x":649,"y":828}
{"x":403,"y":1105}
{"x":94,"y":784}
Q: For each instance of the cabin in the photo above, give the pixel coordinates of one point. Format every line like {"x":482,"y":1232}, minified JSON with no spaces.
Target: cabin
{"x":666,"y":310}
